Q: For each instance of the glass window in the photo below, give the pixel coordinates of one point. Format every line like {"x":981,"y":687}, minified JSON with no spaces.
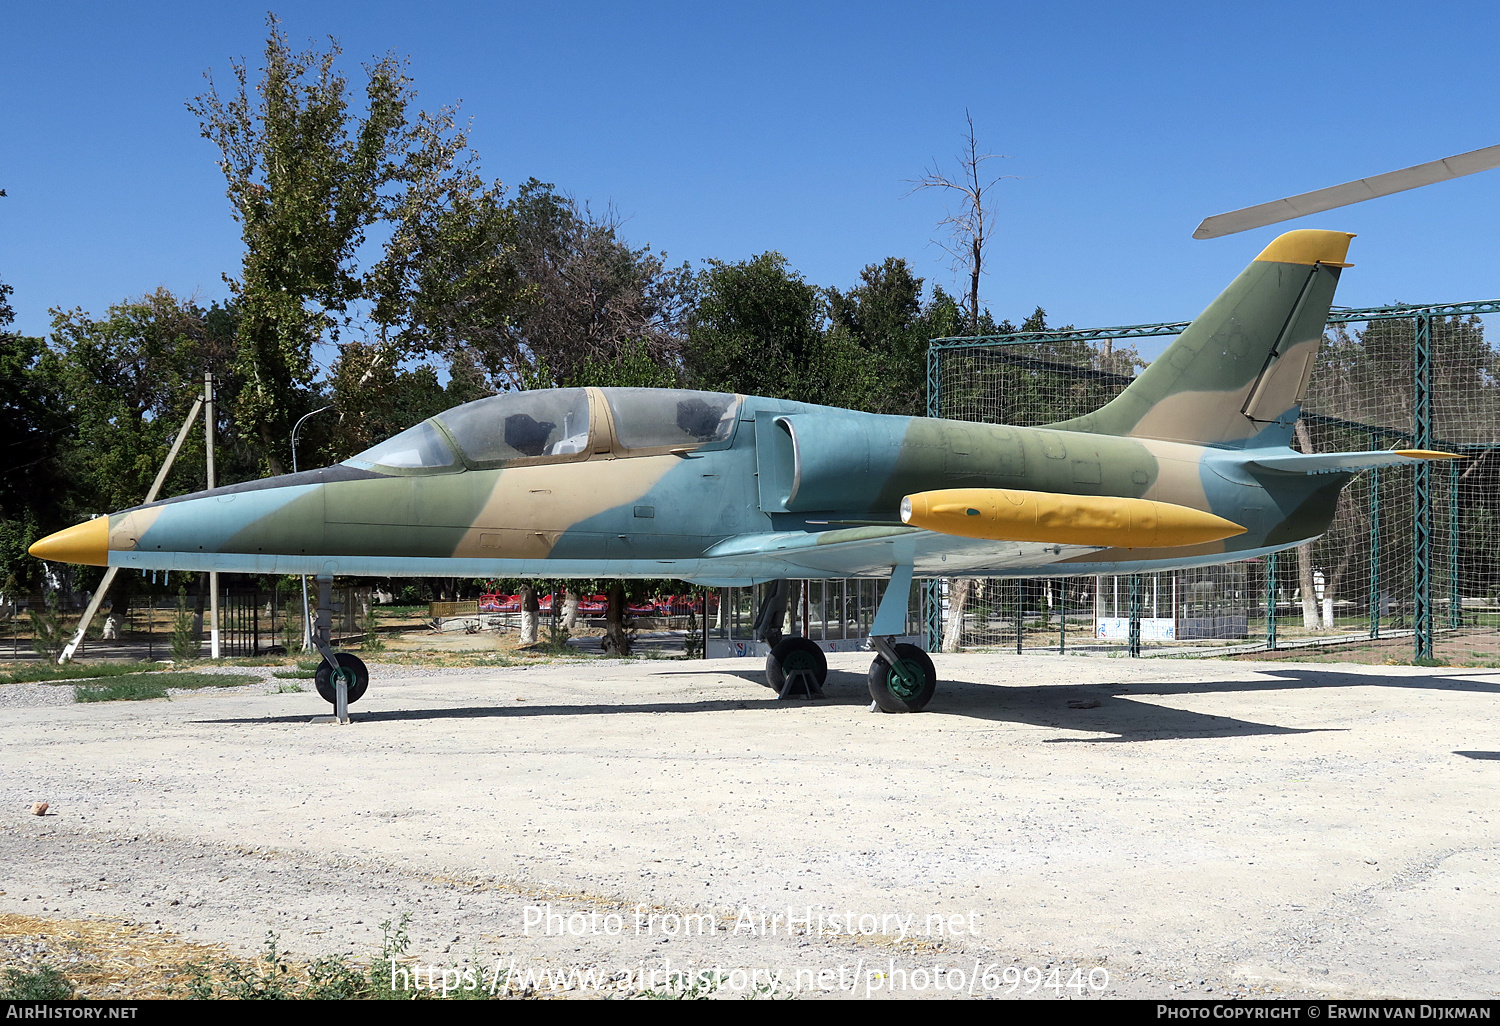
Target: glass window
{"x":415,"y":448}
{"x":650,"y":418}
{"x":518,"y":425}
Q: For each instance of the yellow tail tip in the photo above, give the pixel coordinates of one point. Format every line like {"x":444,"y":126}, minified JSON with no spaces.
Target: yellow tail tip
{"x":86,"y":543}
{"x":1309,"y":246}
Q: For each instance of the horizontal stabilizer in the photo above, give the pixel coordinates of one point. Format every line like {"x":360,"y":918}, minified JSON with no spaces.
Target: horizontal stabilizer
{"x":1007,"y":514}
{"x":1349,"y":462}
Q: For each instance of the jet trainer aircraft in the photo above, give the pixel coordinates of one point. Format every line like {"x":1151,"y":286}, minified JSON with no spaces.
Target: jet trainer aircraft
{"x":1190,"y":465}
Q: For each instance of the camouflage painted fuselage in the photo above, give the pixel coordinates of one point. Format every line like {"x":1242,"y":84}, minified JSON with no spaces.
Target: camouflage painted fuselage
{"x":731,"y":489}
{"x":766,"y":505}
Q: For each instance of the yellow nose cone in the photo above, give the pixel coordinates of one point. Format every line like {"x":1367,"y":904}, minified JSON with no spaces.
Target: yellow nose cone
{"x":82,"y":543}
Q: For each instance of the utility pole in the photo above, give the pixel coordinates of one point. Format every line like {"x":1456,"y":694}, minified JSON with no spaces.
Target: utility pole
{"x":109,"y":575}
{"x":213,"y":575}
{"x":307,"y":627}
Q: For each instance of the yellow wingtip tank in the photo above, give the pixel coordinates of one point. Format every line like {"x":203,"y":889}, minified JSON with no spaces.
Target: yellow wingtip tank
{"x":86,"y":543}
{"x":1005,"y":514}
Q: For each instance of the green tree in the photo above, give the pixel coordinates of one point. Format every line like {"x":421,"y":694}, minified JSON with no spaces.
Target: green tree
{"x":584,"y":298}
{"x":757,"y":327}
{"x":374,"y":398}
{"x":885,"y":318}
{"x":31,"y":420}
{"x":128,"y":379}
{"x":308,"y":181}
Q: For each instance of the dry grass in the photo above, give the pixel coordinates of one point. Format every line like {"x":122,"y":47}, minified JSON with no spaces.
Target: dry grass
{"x":105,"y":959}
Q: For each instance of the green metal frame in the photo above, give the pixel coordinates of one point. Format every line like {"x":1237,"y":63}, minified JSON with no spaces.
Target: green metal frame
{"x":1271,"y":602}
{"x":1374,"y":552}
{"x":932,"y":615}
{"x":1455,"y":601}
{"x":1135,"y":616}
{"x":1422,"y":489}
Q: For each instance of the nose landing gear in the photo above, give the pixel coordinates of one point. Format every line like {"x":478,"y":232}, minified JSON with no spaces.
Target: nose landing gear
{"x":342,"y":677}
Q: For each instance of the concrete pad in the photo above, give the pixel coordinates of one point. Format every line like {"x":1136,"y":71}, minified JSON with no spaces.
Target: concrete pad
{"x":1187,"y":827}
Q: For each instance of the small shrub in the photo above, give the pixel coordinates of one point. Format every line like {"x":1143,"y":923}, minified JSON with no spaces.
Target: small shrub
{"x":333,"y":979}
{"x":185,"y":643}
{"x":270,"y":978}
{"x":373,"y":642}
{"x":44,"y":984}
{"x":293,"y":631}
{"x":557,"y":639}
{"x":393,"y":944}
{"x":48,"y":635}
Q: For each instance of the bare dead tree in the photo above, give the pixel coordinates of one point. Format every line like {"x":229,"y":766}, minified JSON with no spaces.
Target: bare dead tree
{"x":969,"y":226}
{"x":969,"y":230}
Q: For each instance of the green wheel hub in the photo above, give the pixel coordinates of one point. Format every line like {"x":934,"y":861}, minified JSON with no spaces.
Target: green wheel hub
{"x":350,"y":669}
{"x":905,"y":684}
{"x":905,"y":680}
{"x":799,"y":660}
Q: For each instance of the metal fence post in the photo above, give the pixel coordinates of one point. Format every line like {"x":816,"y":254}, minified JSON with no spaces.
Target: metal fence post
{"x":932,"y":598}
{"x":1020,"y":611}
{"x":1061,"y":583}
{"x":1271,"y":602}
{"x":1135,"y":616}
{"x":1374,"y":552}
{"x":1422,"y":492}
{"x":1455,"y":600}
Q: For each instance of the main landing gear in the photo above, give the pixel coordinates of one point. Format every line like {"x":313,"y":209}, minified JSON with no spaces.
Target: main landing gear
{"x":796,"y":664}
{"x":342,"y":677}
{"x":902,"y":678}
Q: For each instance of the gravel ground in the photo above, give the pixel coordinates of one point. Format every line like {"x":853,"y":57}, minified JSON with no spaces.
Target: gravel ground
{"x":1188,"y":828}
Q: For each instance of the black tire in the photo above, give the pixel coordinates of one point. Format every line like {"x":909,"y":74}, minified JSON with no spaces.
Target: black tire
{"x":891,"y":693}
{"x":790,"y":655}
{"x":357,"y":686}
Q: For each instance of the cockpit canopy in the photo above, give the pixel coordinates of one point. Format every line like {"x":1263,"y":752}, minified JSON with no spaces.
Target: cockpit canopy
{"x":554,"y":424}
{"x":655,"y":418}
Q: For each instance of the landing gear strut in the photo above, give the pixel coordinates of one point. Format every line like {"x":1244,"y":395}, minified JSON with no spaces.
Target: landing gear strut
{"x":902,"y":677}
{"x":342,"y":677}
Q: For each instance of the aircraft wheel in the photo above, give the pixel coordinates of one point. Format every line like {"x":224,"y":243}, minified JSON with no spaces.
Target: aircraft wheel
{"x":895,"y":695}
{"x":357,"y":676}
{"x":793,"y":654}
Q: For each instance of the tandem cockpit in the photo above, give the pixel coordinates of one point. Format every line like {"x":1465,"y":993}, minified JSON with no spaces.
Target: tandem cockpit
{"x":560,"y":425}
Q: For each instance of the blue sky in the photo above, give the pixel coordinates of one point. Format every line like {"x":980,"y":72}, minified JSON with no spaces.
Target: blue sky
{"x":724,"y":130}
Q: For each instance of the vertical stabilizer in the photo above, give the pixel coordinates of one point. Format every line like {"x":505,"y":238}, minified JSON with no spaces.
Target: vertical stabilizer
{"x":1237,"y":375}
